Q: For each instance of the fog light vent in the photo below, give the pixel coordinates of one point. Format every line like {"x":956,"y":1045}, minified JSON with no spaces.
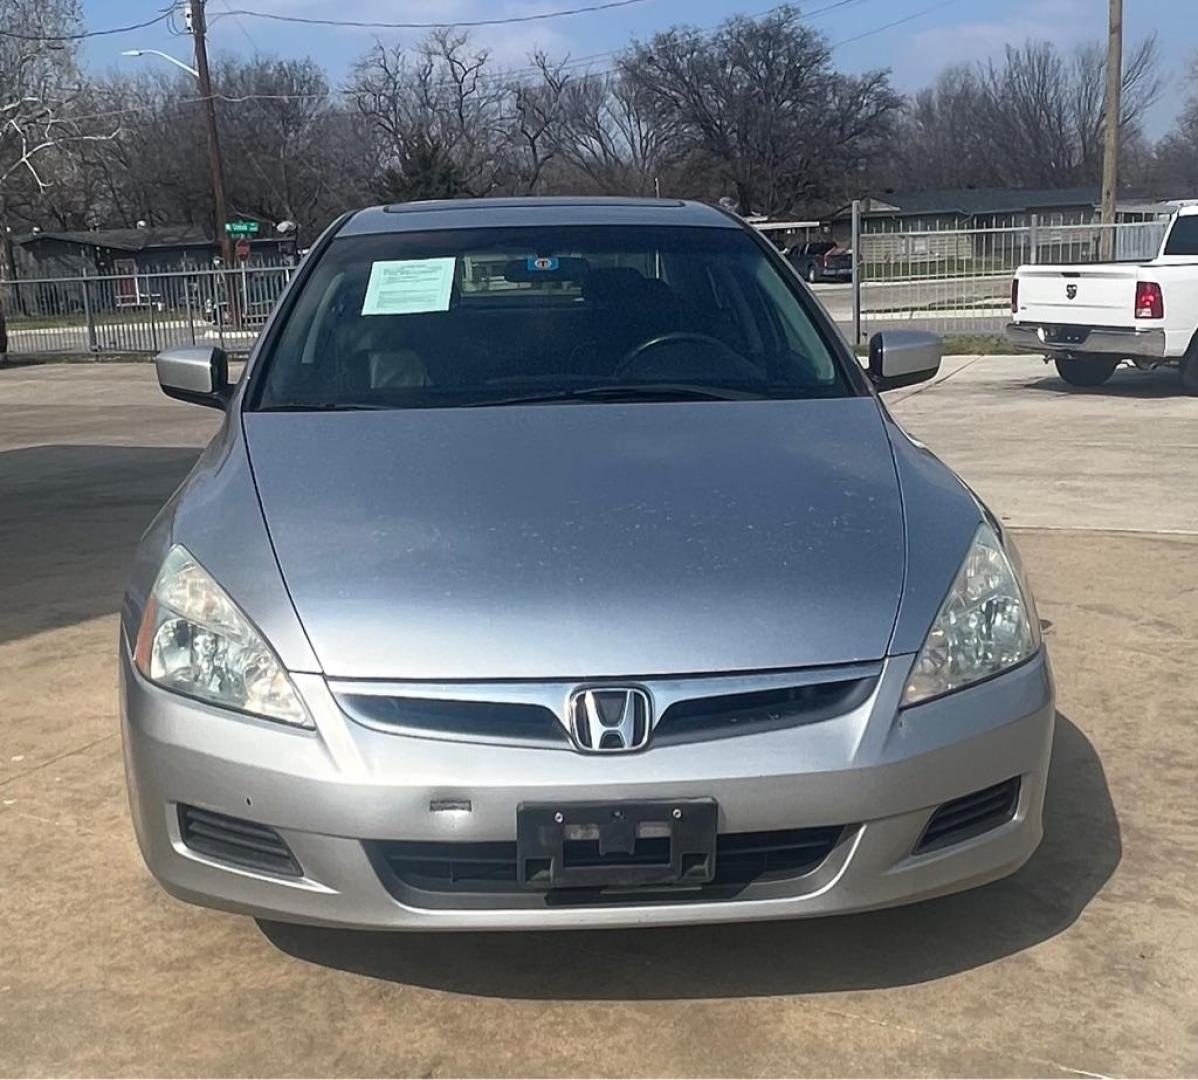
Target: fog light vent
{"x":233,"y":840}
{"x":970,"y":816}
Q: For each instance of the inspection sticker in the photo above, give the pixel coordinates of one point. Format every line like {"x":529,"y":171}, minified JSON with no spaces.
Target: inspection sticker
{"x":409,"y":286}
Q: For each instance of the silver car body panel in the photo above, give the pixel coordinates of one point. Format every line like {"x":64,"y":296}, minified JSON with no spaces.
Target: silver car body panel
{"x":215,"y":513}
{"x":875,"y":768}
{"x":574,"y":541}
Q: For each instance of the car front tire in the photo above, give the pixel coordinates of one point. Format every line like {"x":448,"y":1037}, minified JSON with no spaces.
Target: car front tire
{"x":812,"y":275}
{"x":1086,"y":370}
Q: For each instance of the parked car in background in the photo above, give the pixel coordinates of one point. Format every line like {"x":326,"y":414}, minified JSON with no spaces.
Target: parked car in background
{"x":610,"y":597}
{"x":1088,"y":319}
{"x":821,"y":260}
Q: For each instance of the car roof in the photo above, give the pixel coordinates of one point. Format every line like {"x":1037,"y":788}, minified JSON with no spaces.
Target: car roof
{"x":538,"y":210}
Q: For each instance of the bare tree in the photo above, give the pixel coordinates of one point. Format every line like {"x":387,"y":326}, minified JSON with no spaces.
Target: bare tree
{"x":759,"y":101}
{"x":1034,"y":119}
{"x":40,"y":87}
{"x":437,"y":121}
{"x":285,"y":147}
{"x":612,"y":138}
{"x":537,"y":110}
{"x":1175,"y":168}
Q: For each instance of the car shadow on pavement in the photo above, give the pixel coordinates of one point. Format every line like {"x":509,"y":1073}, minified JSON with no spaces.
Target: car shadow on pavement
{"x":896,"y":947}
{"x":1125,"y":383}
{"x":71,"y":519}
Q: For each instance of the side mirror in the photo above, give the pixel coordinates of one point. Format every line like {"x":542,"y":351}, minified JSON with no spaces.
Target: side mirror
{"x":198,"y":374}
{"x":903,"y":358}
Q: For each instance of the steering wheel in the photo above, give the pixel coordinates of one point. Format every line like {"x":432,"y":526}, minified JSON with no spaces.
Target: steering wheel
{"x":673,"y":337}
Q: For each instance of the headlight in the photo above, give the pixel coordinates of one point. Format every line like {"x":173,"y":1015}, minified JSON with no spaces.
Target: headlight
{"x":195,"y":641}
{"x":986,"y":624}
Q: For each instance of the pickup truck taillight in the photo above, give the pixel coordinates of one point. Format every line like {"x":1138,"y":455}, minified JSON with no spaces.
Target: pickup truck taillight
{"x":1150,"y":304}
{"x":1014,"y":296}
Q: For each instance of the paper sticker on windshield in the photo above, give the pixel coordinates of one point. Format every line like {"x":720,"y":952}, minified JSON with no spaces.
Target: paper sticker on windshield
{"x":542,"y":264}
{"x":409,"y":286}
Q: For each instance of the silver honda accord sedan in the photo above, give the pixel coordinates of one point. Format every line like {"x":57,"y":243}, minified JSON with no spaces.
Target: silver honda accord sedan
{"x":558,"y":565}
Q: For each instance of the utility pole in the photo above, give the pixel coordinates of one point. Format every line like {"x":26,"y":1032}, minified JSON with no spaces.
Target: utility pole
{"x":1110,"y":154}
{"x":198,"y":30}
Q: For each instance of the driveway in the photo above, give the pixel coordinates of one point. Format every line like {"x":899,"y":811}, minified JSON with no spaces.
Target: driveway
{"x":1085,"y":962}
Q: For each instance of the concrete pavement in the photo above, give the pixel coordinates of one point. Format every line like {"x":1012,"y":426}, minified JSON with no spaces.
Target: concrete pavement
{"x":1085,"y":962}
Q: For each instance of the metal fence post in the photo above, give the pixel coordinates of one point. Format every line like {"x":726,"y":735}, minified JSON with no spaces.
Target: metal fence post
{"x":1033,"y":238}
{"x":245,"y":297}
{"x":89,"y":315}
{"x":855,"y":242}
{"x":220,"y":285}
{"x":151,"y":303}
{"x":191,"y":326}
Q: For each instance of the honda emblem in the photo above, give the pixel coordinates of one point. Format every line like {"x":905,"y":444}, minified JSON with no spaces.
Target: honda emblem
{"x":610,"y":720}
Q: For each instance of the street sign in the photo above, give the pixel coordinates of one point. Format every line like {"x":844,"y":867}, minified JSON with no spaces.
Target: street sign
{"x":243,"y":249}
{"x":241,"y":228}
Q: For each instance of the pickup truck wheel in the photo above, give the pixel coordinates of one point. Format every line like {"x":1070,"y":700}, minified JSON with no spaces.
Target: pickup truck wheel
{"x":812,"y":274}
{"x":1189,"y":371}
{"x":1086,"y":370}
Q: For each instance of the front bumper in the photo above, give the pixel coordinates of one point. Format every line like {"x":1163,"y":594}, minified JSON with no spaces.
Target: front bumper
{"x":1108,"y":340}
{"x":877,"y":770}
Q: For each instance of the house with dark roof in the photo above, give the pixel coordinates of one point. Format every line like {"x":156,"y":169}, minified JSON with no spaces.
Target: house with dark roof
{"x":989,"y":208}
{"x":909,"y":222}
{"x":128,"y":252}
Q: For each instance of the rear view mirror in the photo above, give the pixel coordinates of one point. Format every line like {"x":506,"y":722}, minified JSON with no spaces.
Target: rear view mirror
{"x":565,"y":268}
{"x":198,"y":374}
{"x":903,"y":358}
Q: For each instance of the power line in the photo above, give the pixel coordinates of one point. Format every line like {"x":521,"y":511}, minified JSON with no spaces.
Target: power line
{"x":241,"y":25}
{"x":346,"y":91}
{"x":591,"y":57}
{"x":608,"y":5}
{"x":804,"y":15}
{"x":890,"y":25}
{"x":79,"y":35}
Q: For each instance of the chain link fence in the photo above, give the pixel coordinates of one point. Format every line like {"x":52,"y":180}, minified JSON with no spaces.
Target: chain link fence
{"x":140,"y":313}
{"x":958,"y":281}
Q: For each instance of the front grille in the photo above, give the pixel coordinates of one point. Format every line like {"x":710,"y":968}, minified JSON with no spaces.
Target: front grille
{"x":493,"y":721}
{"x":760,"y":710}
{"x":234,"y":840}
{"x":490,"y":868}
{"x":970,"y":816}
{"x":688,"y":709}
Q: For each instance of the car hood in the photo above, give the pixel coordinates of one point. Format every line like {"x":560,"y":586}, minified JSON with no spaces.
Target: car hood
{"x":583,"y":541}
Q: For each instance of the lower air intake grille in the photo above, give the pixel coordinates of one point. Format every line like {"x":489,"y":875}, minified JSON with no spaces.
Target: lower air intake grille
{"x":490,"y":868}
{"x":970,"y":816}
{"x":233,"y":840}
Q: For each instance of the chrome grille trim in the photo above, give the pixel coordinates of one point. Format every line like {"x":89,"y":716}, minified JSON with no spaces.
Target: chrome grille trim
{"x":554,"y":695}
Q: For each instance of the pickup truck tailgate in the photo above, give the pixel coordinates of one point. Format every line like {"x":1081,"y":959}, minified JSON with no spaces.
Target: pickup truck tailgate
{"x":1089,"y":295}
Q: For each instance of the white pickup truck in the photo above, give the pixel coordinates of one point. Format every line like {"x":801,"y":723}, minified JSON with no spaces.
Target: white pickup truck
{"x":1090,"y":318}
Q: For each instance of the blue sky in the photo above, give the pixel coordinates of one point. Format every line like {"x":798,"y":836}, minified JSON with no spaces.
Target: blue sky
{"x":958,"y":30}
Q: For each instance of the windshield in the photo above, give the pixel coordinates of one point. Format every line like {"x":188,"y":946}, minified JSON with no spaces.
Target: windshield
{"x":508,"y":316}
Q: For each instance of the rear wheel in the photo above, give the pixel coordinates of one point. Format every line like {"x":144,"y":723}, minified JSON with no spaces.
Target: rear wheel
{"x":812,"y":274}
{"x":1189,"y":370}
{"x":1086,"y":370}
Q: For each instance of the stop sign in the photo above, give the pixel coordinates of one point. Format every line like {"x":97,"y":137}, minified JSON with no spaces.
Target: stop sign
{"x":243,"y":249}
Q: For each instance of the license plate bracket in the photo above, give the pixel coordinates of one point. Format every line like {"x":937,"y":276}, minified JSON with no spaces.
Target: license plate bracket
{"x":1066,"y":335}
{"x":616,"y":844}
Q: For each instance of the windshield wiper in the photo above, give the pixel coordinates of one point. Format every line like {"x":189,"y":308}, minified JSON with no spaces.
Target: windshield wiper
{"x":323,"y":406}
{"x":631,"y":392}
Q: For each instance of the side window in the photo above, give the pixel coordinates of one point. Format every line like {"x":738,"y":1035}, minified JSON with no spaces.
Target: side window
{"x":1183,"y":236}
